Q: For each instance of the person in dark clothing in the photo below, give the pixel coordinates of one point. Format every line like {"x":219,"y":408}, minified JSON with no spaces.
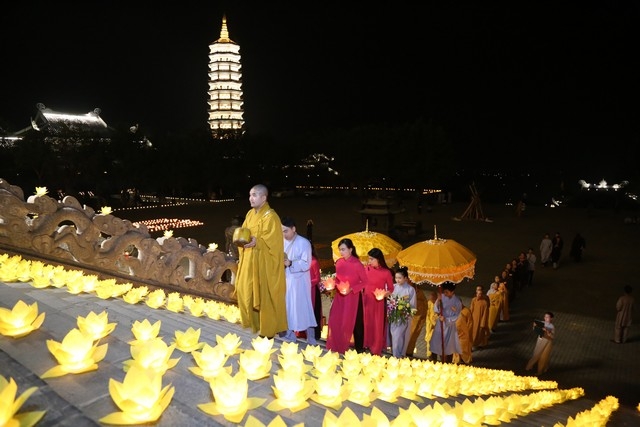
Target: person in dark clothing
{"x":556,"y":251}
{"x":577,"y":246}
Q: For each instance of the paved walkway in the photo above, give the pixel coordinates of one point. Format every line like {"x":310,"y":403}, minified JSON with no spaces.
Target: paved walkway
{"x":582,"y":355}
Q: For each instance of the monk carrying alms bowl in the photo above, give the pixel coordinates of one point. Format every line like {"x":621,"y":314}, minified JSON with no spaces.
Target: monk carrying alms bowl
{"x":241,"y":236}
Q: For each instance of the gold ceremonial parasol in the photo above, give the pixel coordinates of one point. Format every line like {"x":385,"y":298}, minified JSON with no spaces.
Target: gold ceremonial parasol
{"x":366,"y":240}
{"x":437,"y":261}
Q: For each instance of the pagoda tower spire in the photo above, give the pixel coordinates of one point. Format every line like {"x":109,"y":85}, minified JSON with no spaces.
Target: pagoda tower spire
{"x":225,"y":87}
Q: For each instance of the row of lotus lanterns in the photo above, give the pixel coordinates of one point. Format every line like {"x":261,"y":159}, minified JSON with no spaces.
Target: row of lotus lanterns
{"x":312,"y":374}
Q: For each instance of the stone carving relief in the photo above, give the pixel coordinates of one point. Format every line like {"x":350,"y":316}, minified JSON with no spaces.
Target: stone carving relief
{"x":76,"y":235}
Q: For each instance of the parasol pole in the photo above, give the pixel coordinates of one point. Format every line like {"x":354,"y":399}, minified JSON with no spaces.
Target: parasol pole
{"x":435,"y":232}
{"x":442,"y":323}
{"x":366,"y":227}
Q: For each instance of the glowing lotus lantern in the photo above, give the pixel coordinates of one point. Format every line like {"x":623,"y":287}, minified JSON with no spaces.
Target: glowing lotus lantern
{"x":343,"y":287}
{"x":144,"y":331}
{"x":230,"y":397}
{"x":9,"y":268}
{"x":311,"y":352}
{"x":140,"y":397}
{"x":292,"y":391}
{"x":135,"y":295}
{"x":210,"y":362}
{"x":196,"y":308}
{"x":388,"y":388}
{"x":255,"y":365}
{"x":289,"y":349}
{"x":41,"y":191}
{"x":23,"y":271}
{"x":212,"y":247}
{"x":188,"y":340}
{"x":9,"y":405}
{"x":212,"y":309}
{"x":105,"y":210}
{"x":175,"y":302}
{"x":329,"y":391}
{"x":231,"y":313}
{"x":361,"y":390}
{"x":351,"y":369}
{"x":326,"y":363}
{"x":153,"y":355}
{"x":380,"y":294}
{"x":155,"y":299}
{"x":75,"y":285}
{"x":21,"y":320}
{"x":58,"y":277}
{"x":95,"y":325}
{"x":263,"y":345}
{"x":230,"y":343}
{"x":329,"y":283}
{"x":168,"y":234}
{"x":76,"y":354}
{"x":90,"y":283}
{"x":293,"y":362}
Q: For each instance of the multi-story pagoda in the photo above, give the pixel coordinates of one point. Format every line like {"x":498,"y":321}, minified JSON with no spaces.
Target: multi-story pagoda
{"x":225,"y":87}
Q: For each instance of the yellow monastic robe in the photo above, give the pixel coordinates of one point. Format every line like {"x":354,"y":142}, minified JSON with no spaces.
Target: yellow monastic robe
{"x":464,"y":325}
{"x":430,"y":325}
{"x":260,"y":282}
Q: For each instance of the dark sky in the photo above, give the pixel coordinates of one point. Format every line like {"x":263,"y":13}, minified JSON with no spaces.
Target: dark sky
{"x":520,"y":75}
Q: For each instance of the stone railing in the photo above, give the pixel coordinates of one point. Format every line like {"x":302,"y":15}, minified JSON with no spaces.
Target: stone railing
{"x":70,"y":234}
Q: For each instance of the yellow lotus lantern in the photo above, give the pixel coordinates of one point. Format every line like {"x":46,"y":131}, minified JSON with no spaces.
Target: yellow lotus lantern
{"x":263,"y":345}
{"x":75,"y":285}
{"x":175,"y":302}
{"x":23,"y":271}
{"x":212,"y":247}
{"x":141,"y":397}
{"x":311,"y":352}
{"x":9,"y":269}
{"x":230,"y":343}
{"x":188,"y":340}
{"x":144,"y":331}
{"x":153,"y":355}
{"x":231,"y":313}
{"x":21,"y":320}
{"x":168,"y":234}
{"x":210,"y":362}
{"x":77,"y":353}
{"x":213,"y":309}
{"x":230,"y":397}
{"x":90,"y":283}
{"x":155,"y":299}
{"x":105,"y":210}
{"x":289,"y":349}
{"x":135,"y":295}
{"x":292,"y":391}
{"x":196,"y":308}
{"x":329,"y":391}
{"x":377,"y":417}
{"x":255,"y":365}
{"x":41,"y":191}
{"x":59,"y":277}
{"x":95,"y":325}
{"x":388,"y":388}
{"x":9,"y":405}
{"x":326,"y":363}
{"x":361,"y":390}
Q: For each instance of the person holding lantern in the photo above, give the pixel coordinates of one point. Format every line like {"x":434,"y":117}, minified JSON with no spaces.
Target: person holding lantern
{"x":346,"y":314}
{"x":379,"y":285}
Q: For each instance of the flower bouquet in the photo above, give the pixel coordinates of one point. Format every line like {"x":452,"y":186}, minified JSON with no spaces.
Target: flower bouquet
{"x":398,"y":309}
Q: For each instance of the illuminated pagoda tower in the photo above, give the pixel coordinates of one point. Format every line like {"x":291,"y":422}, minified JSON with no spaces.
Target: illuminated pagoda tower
{"x":225,"y":87}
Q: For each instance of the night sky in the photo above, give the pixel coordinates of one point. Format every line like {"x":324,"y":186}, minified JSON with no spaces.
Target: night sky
{"x":529,"y":76}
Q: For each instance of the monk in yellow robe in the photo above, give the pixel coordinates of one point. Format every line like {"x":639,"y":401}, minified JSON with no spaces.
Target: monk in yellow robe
{"x":260,"y":282}
{"x":464,"y":324}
